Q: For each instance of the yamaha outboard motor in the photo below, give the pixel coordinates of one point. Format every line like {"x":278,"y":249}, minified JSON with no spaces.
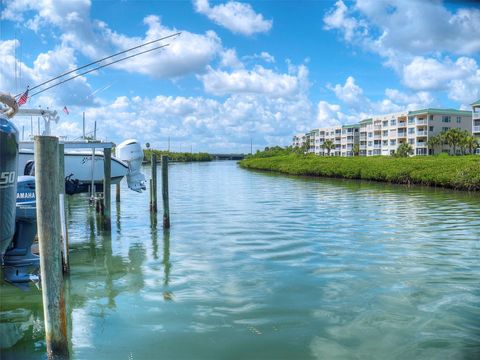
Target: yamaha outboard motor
{"x":20,"y":265}
{"x":130,"y":152}
{"x":8,"y":181}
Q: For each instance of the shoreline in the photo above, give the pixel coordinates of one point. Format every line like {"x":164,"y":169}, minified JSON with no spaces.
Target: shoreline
{"x":457,"y":173}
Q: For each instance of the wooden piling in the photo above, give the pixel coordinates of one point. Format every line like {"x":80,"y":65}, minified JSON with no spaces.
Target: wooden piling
{"x":153,"y":199}
{"x":117,"y":193}
{"x":107,"y":178}
{"x":166,"y":208}
{"x":63,"y":212}
{"x":46,"y":188}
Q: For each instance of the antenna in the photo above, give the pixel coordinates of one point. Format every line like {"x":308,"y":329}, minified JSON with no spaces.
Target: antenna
{"x":105,"y":58}
{"x":97,"y":68}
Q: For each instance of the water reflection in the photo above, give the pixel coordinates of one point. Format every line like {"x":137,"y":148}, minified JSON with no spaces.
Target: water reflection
{"x":293,"y":267}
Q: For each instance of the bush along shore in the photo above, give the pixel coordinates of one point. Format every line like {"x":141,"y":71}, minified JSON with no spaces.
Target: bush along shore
{"x":455,"y":172}
{"x":176,"y":156}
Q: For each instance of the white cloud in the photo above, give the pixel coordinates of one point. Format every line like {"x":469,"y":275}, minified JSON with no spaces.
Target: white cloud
{"x":237,"y":17}
{"x":208,"y":123}
{"x":259,"y":80}
{"x":358,"y":106}
{"x":45,"y":66}
{"x":188,"y":53}
{"x":418,"y":39}
{"x":350,"y":93}
{"x":461,"y":79}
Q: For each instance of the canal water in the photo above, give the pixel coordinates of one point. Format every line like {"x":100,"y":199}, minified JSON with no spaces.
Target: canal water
{"x":263,"y":266}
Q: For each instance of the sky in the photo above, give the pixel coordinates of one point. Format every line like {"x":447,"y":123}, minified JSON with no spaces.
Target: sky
{"x":239,"y":72}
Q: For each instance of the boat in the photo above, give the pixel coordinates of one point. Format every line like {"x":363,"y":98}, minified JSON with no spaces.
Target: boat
{"x":84,"y":159}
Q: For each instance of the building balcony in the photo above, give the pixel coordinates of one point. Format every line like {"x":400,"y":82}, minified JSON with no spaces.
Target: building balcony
{"x":377,"y":137}
{"x":363,"y":147}
{"x":377,"y":146}
{"x":421,"y":144}
{"x":377,"y":127}
{"x":476,"y":129}
{"x":421,"y":122}
{"x":402,"y":124}
{"x":422,"y":133}
{"x":476,"y":116}
{"x":402,"y":134}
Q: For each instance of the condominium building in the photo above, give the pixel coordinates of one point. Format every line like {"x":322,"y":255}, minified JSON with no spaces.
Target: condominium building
{"x":382,"y":134}
{"x":476,"y":118}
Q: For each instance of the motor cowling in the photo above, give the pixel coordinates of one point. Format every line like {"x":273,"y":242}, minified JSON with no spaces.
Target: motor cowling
{"x":8,"y":181}
{"x":130,"y":152}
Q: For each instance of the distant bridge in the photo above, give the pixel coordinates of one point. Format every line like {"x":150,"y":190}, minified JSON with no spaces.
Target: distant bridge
{"x":228,"y":156}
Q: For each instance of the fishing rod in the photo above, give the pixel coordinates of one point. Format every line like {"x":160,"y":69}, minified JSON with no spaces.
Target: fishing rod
{"x":105,"y":58}
{"x":98,"y":67}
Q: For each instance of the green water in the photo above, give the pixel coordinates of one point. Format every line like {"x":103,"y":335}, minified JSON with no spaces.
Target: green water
{"x":262,"y":266}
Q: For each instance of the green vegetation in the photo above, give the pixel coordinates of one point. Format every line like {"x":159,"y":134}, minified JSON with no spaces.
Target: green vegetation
{"x":456,"y":172}
{"x":328,"y":145}
{"x":176,"y":156}
{"x":404,"y":150}
{"x":456,"y":139}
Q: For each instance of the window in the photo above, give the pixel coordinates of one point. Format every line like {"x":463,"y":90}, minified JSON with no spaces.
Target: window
{"x":393,"y":142}
{"x":411,"y":141}
{"x":385,"y":123}
{"x":411,"y":120}
{"x":393,"y":122}
{"x":385,"y":133}
{"x":370,"y":143}
{"x":411,"y":130}
{"x":430,"y":128}
{"x":459,"y":119}
{"x":385,"y":142}
{"x":446,"y":119}
{"x":430,"y":117}
{"x":445,"y":128}
{"x":370,"y":134}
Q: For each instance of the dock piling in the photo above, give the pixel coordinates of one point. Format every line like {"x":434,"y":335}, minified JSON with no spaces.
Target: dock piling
{"x":117,"y":193}
{"x":166,"y":209}
{"x":107,"y":177}
{"x":48,"y":222}
{"x":63,"y":212}
{"x":153,"y":191}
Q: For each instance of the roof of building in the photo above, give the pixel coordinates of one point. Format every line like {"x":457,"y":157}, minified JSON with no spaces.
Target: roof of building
{"x":441,"y":112}
{"x":366,"y":121}
{"x":350,"y":126}
{"x":476,"y":103}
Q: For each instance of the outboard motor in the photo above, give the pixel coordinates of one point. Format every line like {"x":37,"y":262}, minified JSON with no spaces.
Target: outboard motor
{"x":131,"y":153}
{"x":20,"y":265}
{"x":8,"y":181}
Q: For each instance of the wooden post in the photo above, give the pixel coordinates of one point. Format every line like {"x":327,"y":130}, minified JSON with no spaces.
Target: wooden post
{"x":46,"y":188}
{"x":153,"y":202}
{"x":166,"y":209}
{"x":63,"y":212}
{"x":117,"y":194}
{"x":107,"y":177}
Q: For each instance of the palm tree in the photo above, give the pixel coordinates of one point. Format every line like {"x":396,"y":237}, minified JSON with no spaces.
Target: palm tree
{"x":404,"y":150}
{"x":453,"y":137}
{"x":356,"y":149}
{"x":435,"y":141}
{"x":471,"y":143}
{"x":328,"y":145}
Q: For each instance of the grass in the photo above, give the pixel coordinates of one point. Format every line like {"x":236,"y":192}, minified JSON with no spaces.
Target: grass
{"x":176,"y":156}
{"x":456,"y":172}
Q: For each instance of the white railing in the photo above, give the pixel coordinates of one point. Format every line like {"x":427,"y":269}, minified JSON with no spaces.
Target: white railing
{"x":421,"y":122}
{"x":422,"y":133}
{"x":421,"y":144}
{"x":476,"y":116}
{"x":476,"y":129}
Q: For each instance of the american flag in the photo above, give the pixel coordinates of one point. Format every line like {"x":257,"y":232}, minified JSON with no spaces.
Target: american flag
{"x":65,"y":110}
{"x":23,"y":99}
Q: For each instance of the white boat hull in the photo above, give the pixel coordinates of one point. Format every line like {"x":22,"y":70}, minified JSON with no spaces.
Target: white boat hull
{"x":78,"y":164}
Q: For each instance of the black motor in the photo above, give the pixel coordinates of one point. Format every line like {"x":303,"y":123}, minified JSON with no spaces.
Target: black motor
{"x":20,"y":265}
{"x":8,"y":181}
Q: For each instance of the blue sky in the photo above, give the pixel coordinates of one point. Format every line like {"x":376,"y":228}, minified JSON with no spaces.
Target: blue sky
{"x":264,"y":70}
